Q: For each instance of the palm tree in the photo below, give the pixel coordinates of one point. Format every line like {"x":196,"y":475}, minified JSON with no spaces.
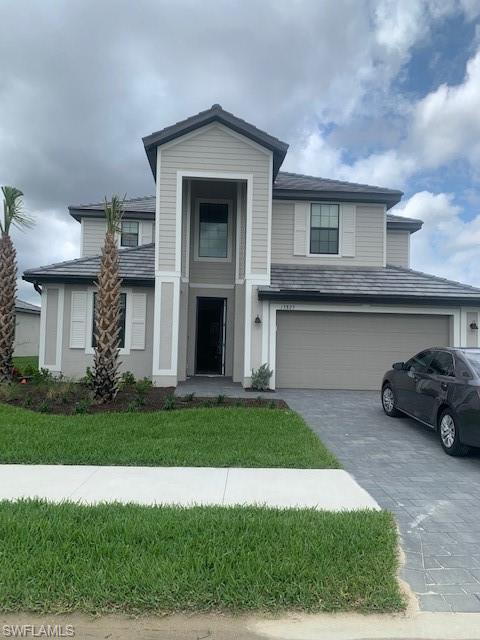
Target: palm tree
{"x":13,"y":215}
{"x":107,"y":309}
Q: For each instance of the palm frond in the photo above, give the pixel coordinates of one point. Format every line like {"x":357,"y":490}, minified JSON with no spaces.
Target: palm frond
{"x":114,"y":213}
{"x":13,"y":212}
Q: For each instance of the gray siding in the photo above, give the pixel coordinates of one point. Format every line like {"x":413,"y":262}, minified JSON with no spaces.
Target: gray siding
{"x":369,"y":235}
{"x":213,"y":149}
{"x":398,"y":243}
{"x":27,"y":334}
{"x":93,"y":234}
{"x":75,"y":361}
{"x":327,"y":350}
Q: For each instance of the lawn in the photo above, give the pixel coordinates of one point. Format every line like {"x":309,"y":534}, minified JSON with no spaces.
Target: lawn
{"x":22,"y":362}
{"x":212,"y":437}
{"x":134,"y":559}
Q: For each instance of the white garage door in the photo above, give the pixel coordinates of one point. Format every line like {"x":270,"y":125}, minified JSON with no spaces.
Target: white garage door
{"x":320,"y":350}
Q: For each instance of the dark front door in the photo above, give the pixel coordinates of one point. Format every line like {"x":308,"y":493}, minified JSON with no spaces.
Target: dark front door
{"x":210,"y":335}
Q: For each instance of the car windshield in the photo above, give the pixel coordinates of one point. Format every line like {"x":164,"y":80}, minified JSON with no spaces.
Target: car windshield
{"x":473,"y":358}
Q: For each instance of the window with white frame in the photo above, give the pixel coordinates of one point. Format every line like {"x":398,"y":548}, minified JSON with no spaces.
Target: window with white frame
{"x":123,"y":320}
{"x":213,"y":230}
{"x":129,"y":234}
{"x":324,"y":228}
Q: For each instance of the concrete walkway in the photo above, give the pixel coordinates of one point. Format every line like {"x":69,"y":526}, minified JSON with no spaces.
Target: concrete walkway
{"x":331,"y":489}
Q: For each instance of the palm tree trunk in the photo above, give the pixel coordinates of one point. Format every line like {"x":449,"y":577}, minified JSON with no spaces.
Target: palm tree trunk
{"x":107,"y":323}
{"x":8,"y":289}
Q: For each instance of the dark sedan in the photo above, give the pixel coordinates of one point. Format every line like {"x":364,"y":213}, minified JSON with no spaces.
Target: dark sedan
{"x":441,"y":388}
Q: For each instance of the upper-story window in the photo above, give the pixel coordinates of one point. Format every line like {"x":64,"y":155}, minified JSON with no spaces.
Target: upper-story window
{"x":129,"y":234}
{"x":324,"y":228}
{"x":213,"y":230}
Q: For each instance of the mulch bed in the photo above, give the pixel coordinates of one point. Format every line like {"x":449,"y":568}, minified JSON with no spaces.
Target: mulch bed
{"x":67,"y":399}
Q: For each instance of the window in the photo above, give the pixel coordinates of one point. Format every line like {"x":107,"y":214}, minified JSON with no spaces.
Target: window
{"x":442,"y":364}
{"x":213,"y":230}
{"x":420,"y":362}
{"x":123,"y":315}
{"x":324,"y":224}
{"x":129,"y":236}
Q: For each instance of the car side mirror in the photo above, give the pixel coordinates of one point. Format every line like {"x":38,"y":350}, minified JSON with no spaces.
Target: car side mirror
{"x":399,"y":366}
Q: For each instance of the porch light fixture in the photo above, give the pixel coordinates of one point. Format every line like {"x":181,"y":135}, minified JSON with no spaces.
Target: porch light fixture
{"x":474,"y":326}
{"x":258,"y":320}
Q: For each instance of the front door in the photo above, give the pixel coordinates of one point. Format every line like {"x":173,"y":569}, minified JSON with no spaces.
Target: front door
{"x":209,"y":357}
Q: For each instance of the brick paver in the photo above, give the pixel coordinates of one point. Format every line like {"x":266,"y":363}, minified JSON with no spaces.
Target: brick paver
{"x":435,"y":498}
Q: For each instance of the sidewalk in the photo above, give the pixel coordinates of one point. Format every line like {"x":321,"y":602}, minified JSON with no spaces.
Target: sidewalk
{"x":330,"y":489}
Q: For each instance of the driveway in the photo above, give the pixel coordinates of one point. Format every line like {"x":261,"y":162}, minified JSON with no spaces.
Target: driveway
{"x":435,"y":498}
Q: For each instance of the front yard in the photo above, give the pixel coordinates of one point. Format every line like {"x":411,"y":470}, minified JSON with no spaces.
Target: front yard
{"x":132,"y":559}
{"x":204,"y":437}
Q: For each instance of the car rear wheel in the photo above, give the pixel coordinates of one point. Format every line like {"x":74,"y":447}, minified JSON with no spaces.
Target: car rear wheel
{"x":449,"y":436}
{"x":388,"y":401}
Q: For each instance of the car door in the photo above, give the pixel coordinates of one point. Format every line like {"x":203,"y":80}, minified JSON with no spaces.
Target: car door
{"x":407,"y":380}
{"x":436,"y":386}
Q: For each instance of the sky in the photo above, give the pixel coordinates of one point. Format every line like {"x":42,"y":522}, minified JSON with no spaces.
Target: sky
{"x":385,"y":92}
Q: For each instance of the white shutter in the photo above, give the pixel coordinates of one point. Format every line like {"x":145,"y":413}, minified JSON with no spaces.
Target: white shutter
{"x":139,"y":317}
{"x":78,"y":320}
{"x":300,"y":228}
{"x":348,"y":222}
{"x":146,"y":230}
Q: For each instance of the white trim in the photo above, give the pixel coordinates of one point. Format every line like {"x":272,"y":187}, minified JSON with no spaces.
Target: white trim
{"x":202,"y":285}
{"x":187,"y":234}
{"x":454,"y":313}
{"x":385,"y":236}
{"x":43,"y":329}
{"x":56,"y":367}
{"x":265,"y":328}
{"x":238,"y":231}
{"x":178,"y":224}
{"x":82,"y":240}
{"x":215,"y":125}
{"x":249,"y":226}
{"x":269,"y":216}
{"x":173,"y":370}
{"x":247,"y":357}
{"x":196,"y":235}
{"x":89,"y":349}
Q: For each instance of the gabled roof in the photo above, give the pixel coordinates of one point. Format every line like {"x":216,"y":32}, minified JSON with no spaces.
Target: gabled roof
{"x":214,"y":114}
{"x":137,"y":266}
{"x":299,"y":186}
{"x":140,"y":208}
{"x":25,"y":307}
{"x":365,"y":284}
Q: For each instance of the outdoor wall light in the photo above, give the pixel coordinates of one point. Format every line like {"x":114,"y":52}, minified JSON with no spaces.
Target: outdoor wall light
{"x":474,"y":326}
{"x":258,"y":320}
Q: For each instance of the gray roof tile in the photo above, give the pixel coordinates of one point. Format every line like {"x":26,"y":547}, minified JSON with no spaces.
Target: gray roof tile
{"x":136,"y":264}
{"x":301,"y":182}
{"x":26,"y":307}
{"x":370,"y":282}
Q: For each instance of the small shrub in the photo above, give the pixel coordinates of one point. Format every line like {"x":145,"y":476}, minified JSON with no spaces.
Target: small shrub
{"x":30,"y":371}
{"x":238,"y":403}
{"x":45,"y":407}
{"x":206,"y":404}
{"x":189,"y":397}
{"x":27,"y":401}
{"x":272,"y":404}
{"x":88,"y":378}
{"x":169,"y":402}
{"x":82,"y":407}
{"x":6,"y":392}
{"x":261,"y":377}
{"x":127,"y":378}
{"x":133,"y":406}
{"x":220,"y":398}
{"x":142,"y":387}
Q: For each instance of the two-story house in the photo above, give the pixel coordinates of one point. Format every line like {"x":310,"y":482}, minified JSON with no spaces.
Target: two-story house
{"x":234,"y":263}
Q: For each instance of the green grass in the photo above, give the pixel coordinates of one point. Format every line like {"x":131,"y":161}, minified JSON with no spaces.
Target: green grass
{"x":58,"y":558}
{"x":217,"y":437}
{"x":21,"y":362}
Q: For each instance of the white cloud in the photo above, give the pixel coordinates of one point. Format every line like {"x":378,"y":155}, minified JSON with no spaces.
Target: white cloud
{"x":447,"y":245}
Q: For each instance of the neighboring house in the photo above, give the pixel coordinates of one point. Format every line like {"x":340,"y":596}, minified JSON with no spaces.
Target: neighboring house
{"x":234,"y":263}
{"x":27,"y":329}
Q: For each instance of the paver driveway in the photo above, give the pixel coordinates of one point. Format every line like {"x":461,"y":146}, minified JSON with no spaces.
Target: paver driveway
{"x":435,"y":498}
